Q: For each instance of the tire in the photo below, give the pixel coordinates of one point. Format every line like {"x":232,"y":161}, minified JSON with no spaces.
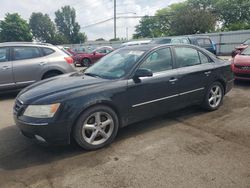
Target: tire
{"x":214,"y":97}
{"x":86,"y":62}
{"x":50,"y":75}
{"x":90,"y":133}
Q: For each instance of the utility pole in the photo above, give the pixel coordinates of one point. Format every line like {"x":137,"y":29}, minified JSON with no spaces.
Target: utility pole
{"x":114,"y":19}
{"x":127,"y":32}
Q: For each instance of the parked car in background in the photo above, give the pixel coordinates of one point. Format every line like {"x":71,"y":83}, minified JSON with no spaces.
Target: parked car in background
{"x":240,"y":48}
{"x":201,"y":41}
{"x":126,"y":86}
{"x":23,"y":63}
{"x":86,"y":59}
{"x":135,"y":43}
{"x":241,"y":65}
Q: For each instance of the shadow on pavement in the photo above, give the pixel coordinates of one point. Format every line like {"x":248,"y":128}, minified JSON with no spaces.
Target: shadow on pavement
{"x":242,"y":84}
{"x":17,"y":152}
{"x":9,"y":95}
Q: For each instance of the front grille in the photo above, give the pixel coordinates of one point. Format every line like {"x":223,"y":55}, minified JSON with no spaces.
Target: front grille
{"x":242,"y":75}
{"x":242,"y":67}
{"x":18,"y":107}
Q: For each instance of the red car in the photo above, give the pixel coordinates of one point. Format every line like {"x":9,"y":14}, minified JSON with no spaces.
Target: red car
{"x":241,"y":65}
{"x":240,"y":48}
{"x":86,"y":59}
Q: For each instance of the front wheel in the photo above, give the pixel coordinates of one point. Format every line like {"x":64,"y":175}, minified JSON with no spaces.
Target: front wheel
{"x":214,"y":97}
{"x":96,"y":128}
{"x":86,"y":62}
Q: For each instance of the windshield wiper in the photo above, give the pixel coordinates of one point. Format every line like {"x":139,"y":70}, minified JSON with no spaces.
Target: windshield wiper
{"x":92,"y":75}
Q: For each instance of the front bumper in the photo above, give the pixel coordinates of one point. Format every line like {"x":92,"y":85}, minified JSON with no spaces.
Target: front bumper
{"x":57,"y":133}
{"x":241,"y":74}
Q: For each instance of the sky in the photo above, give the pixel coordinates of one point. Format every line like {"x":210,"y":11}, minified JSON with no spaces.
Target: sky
{"x":90,"y":12}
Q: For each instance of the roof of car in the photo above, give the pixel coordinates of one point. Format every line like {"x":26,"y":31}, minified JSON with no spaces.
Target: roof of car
{"x":24,"y":44}
{"x":148,"y":47}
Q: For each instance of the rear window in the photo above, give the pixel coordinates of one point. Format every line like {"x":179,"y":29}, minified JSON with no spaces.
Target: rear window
{"x":3,"y":54}
{"x":47,"y":51}
{"x":23,"y":52}
{"x":204,"y":42}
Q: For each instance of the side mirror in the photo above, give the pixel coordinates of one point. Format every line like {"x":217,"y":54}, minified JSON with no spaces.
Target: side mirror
{"x":143,"y":73}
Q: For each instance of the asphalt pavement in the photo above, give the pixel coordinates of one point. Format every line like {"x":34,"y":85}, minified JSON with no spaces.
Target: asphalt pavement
{"x":188,"y":148}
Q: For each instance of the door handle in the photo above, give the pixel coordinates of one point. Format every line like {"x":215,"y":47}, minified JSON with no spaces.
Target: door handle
{"x":173,"y":80}
{"x":6,"y":67}
{"x":43,"y":63}
{"x":207,"y":73}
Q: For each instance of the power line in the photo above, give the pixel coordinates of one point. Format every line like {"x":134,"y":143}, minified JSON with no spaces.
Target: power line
{"x":122,"y":17}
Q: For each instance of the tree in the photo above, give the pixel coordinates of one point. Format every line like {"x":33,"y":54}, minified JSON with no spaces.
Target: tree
{"x":233,"y":14}
{"x":146,"y":28}
{"x":43,"y":29}
{"x":188,"y":19}
{"x":67,"y":25}
{"x":14,"y":28}
{"x":100,"y":39}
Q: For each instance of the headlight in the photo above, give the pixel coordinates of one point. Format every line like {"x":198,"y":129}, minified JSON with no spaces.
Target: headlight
{"x":41,"y":111}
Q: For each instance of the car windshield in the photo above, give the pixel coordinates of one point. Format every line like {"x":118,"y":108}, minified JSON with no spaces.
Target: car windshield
{"x":247,"y":42}
{"x":246,"y":51}
{"x":161,"y":41}
{"x":115,"y":65}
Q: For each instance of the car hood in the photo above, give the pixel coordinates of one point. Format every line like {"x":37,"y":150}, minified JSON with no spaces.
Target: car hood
{"x":59,"y":87}
{"x":241,"y":47}
{"x":242,"y":60}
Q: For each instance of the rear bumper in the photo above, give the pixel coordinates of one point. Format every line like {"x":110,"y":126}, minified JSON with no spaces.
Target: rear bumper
{"x":53,"y":133}
{"x":229,"y":86}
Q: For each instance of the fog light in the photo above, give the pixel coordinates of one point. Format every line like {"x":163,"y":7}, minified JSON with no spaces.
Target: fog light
{"x":39,"y":138}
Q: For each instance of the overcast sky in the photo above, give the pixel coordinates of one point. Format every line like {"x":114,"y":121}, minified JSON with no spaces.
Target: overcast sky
{"x":89,"y":12}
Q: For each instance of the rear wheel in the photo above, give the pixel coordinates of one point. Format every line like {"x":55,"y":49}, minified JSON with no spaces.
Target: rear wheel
{"x":214,"y":97}
{"x":86,"y":62}
{"x":96,"y":128}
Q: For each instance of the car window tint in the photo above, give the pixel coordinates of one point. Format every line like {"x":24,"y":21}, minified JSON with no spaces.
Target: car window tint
{"x":187,"y":56}
{"x":207,"y":42}
{"x":200,"y":42}
{"x":185,"y":41}
{"x":20,"y":53}
{"x":47,"y":51}
{"x":3,"y":54}
{"x":176,"y":41}
{"x":101,"y":51}
{"x":158,"y":61}
{"x":204,"y":59}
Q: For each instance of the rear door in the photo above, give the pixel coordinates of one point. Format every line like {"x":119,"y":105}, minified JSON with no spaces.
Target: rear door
{"x":196,"y":71}
{"x":28,"y":64}
{"x":6,"y":75}
{"x":205,"y":43}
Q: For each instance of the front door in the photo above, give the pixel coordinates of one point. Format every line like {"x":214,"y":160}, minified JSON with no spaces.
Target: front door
{"x":6,"y":76}
{"x":154,"y":95}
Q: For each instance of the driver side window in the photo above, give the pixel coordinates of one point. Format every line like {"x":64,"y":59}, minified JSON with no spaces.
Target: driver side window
{"x":158,"y":61}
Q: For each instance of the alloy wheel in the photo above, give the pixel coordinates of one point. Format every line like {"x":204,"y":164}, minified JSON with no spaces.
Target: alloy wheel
{"x":215,"y":96}
{"x":97,"y":128}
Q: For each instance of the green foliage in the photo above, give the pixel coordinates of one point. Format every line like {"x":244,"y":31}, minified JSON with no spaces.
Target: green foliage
{"x":234,"y":14}
{"x":14,"y":28}
{"x":196,"y":16}
{"x":67,"y":26}
{"x":43,"y":29}
{"x":100,"y":39}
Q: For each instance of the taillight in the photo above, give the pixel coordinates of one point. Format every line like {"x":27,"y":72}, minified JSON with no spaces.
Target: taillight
{"x":69,"y":60}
